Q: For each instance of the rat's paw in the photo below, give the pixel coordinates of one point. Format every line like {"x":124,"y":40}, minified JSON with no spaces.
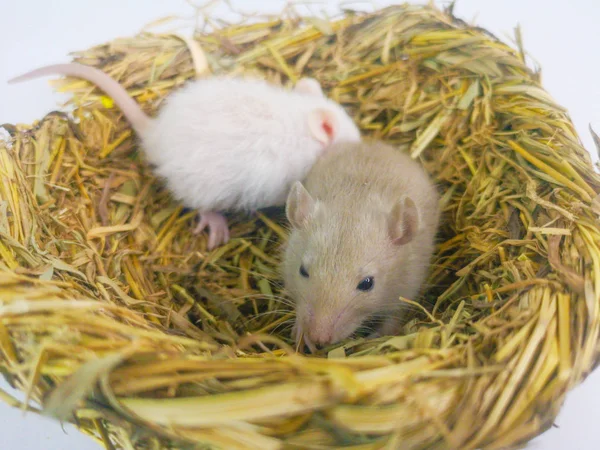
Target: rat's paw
{"x":218,"y":229}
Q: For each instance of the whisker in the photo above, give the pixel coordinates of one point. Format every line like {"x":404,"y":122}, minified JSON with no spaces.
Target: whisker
{"x":281,"y":312}
{"x":285,"y":327}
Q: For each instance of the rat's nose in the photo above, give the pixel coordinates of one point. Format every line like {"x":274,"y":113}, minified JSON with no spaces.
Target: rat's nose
{"x":312,"y":345}
{"x":317,"y":331}
{"x":320,"y":337}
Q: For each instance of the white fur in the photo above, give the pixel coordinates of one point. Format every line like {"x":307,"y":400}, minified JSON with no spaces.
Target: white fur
{"x":237,"y":144}
{"x":225,"y":144}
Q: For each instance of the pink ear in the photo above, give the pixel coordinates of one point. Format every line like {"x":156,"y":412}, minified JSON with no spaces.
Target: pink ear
{"x":323,"y":125}
{"x":299,"y":206}
{"x":403,"y":222}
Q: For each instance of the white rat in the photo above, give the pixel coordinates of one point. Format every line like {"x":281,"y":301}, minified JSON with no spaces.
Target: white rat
{"x":363,"y":231}
{"x":228,"y":144}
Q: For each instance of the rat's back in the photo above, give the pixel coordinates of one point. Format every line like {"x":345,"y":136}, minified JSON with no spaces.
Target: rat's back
{"x":231,"y":144}
{"x":211,"y":109}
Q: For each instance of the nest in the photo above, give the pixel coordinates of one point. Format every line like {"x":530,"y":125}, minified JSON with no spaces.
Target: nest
{"x":115,"y":318}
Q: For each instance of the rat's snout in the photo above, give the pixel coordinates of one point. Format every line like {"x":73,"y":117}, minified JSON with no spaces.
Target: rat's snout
{"x":320,"y":337}
{"x":319,"y":327}
{"x":319,"y":331}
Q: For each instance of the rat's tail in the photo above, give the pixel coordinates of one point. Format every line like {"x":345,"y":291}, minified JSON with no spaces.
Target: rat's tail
{"x":134,"y":114}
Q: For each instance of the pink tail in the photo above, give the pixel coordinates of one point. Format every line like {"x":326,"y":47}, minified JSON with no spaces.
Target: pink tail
{"x":112,"y":88}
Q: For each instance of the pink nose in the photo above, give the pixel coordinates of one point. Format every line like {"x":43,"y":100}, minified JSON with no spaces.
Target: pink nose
{"x":319,"y":335}
{"x":316,"y":328}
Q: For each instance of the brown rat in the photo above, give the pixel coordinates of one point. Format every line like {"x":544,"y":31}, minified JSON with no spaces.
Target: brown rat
{"x":363,"y":228}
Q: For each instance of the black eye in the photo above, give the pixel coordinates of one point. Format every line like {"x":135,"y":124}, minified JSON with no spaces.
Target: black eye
{"x":303,"y":272}
{"x":366,"y":284}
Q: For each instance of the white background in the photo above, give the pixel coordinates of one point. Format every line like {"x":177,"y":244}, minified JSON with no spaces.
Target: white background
{"x":563,"y":36}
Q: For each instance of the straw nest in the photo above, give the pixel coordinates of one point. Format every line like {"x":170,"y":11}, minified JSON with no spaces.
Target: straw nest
{"x":115,"y":318}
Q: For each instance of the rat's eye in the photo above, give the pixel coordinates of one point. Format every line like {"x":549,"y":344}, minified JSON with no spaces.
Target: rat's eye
{"x":366,"y":284}
{"x":303,"y":271}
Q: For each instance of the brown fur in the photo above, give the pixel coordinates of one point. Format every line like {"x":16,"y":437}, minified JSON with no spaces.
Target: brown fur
{"x":369,"y":210}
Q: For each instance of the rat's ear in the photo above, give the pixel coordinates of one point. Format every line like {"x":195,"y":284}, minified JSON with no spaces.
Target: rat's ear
{"x":403,"y":222}
{"x":309,"y":86}
{"x":323,"y":125}
{"x":299,"y":206}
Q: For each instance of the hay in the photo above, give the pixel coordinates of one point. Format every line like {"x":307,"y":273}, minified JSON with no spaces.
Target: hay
{"x":116,"y":319}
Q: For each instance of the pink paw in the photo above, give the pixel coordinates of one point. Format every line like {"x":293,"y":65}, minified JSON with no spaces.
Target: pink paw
{"x":218,"y":230}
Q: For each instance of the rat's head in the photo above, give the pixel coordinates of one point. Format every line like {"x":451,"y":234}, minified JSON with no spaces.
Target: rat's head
{"x":328,"y":122}
{"x":346,"y":270}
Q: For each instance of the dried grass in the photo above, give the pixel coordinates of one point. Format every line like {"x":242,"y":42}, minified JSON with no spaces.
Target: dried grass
{"x":116,"y":319}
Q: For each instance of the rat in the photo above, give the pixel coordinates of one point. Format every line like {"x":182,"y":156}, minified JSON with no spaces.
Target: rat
{"x":363,"y":227}
{"x":228,"y":144}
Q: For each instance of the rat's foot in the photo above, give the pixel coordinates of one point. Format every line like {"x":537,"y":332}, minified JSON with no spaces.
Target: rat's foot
{"x":218,"y":230}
